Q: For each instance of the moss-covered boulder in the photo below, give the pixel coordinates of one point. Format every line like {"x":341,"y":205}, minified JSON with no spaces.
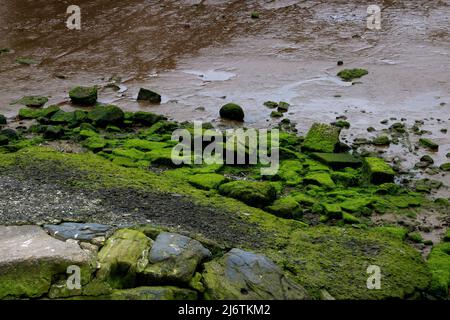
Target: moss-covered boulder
{"x":120,"y":256}
{"x":254,"y":193}
{"x":276,"y":114}
{"x":207,"y":181}
{"x":283,"y":107}
{"x":27,"y":113}
{"x":350,"y":74}
{"x":83,"y":95}
{"x":53,"y":132}
{"x":378,"y":171}
{"x":381,"y":140}
{"x":286,"y":207}
{"x":32,"y":101}
{"x":148,"y":95}
{"x":322,"y":179}
{"x":439,"y":264}
{"x":146,"y":118}
{"x":173,"y":258}
{"x":428,"y":143}
{"x":30,"y":259}
{"x":232,"y":111}
{"x":322,"y":138}
{"x":337,"y":160}
{"x":445,"y":166}
{"x":153,"y":293}
{"x":2,"y":120}
{"x":242,"y":275}
{"x":104,"y":115}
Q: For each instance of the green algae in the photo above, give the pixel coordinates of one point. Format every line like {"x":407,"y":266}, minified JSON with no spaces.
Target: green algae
{"x":350,"y":74}
{"x":322,"y":138}
{"x":439,"y":265}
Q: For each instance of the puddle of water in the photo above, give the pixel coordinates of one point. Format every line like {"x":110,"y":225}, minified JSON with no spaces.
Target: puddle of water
{"x":212,"y":75}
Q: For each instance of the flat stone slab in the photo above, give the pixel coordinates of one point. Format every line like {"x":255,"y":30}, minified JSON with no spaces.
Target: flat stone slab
{"x":29,"y":258}
{"x":78,"y":231}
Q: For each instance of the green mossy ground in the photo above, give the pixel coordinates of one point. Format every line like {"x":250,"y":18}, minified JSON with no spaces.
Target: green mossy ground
{"x":350,"y":74}
{"x":333,"y":255}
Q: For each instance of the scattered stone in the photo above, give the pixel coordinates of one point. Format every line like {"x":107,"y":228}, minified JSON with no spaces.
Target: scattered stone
{"x":146,"y":118}
{"x":255,"y":15}
{"x":148,"y":95}
{"x":427,"y":185}
{"x":445,"y":166}
{"x":378,"y":171}
{"x":427,"y":143}
{"x":341,"y":124}
{"x":77,"y":231}
{"x":350,"y":74}
{"x":398,"y":127}
{"x":242,"y":275}
{"x":382,"y":140}
{"x":385,"y":121}
{"x":104,"y":115}
{"x":271,"y":104}
{"x":322,"y":138}
{"x":283,"y":107}
{"x":340,"y":63}
{"x":32,"y":101}
{"x":83,"y":95}
{"x":30,"y":258}
{"x":276,"y":114}
{"x":173,"y":258}
{"x":10,"y":133}
{"x":426,"y":158}
{"x":2,"y":120}
{"x":232,"y":111}
{"x":25,"y":61}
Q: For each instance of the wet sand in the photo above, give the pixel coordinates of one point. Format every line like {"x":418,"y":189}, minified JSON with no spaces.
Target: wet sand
{"x":208,"y":54}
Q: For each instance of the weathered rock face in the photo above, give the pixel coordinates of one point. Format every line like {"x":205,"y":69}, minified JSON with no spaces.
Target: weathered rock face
{"x":77,"y":231}
{"x":154,"y":293}
{"x":120,"y":256}
{"x":242,"y":275}
{"x":174,"y":259}
{"x":29,"y":258}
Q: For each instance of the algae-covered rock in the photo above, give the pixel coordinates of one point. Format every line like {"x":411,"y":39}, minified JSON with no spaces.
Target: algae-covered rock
{"x":242,"y":275}
{"x":439,"y":265}
{"x":350,"y":74}
{"x":286,"y":207}
{"x":173,"y":258}
{"x":83,"y":95}
{"x":337,"y":160}
{"x":427,"y":185}
{"x":271,"y":104}
{"x":322,"y":138}
{"x":148,"y":95}
{"x":27,"y":113}
{"x":276,"y":114}
{"x":53,"y":132}
{"x":322,"y":179}
{"x":445,"y":166}
{"x":283,"y":107}
{"x":153,"y":293}
{"x":30,"y":258}
{"x":254,"y":193}
{"x":32,"y":101}
{"x":2,"y":120}
{"x":430,"y":144}
{"x":382,"y":140}
{"x":4,"y":140}
{"x":72,"y":119}
{"x":146,"y":118}
{"x":232,"y":111}
{"x":120,"y":256}
{"x":104,"y":115}
{"x":94,"y":143}
{"x":378,"y":171}
{"x":207,"y":181}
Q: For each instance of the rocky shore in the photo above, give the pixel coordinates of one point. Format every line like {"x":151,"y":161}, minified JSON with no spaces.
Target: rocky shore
{"x":97,"y":188}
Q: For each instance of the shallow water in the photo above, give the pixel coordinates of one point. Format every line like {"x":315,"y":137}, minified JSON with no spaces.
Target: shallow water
{"x":208,"y":54}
